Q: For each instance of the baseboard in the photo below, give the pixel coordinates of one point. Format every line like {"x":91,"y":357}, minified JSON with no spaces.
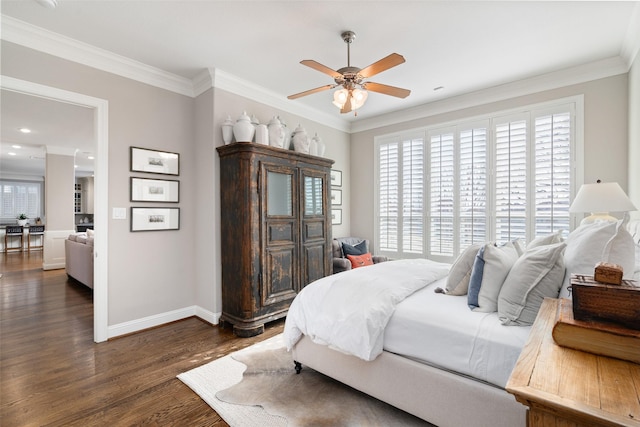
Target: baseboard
{"x":138,"y":325}
{"x":208,"y":316}
{"x":53,"y":266}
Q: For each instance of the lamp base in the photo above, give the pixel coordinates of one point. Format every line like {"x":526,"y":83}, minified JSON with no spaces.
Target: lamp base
{"x":598,"y":217}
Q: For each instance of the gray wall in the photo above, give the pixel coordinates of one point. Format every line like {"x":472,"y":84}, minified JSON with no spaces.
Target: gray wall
{"x":155,"y":273}
{"x":605,"y":140}
{"x":149,"y":272}
{"x":634,"y":135}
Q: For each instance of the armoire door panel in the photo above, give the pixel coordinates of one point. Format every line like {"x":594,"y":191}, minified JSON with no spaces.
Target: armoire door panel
{"x":278,"y":280}
{"x":315,"y":257}
{"x":280,"y":232}
{"x":313,"y":230}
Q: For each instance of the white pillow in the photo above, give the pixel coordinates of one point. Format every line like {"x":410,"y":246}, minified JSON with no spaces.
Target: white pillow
{"x":90,"y":232}
{"x":587,"y":246}
{"x":460,"y":273}
{"x":490,"y":268}
{"x":537,"y":274}
{"x":546,"y":240}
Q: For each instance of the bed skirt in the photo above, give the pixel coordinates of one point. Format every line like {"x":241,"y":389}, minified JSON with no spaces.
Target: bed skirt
{"x":440,"y":397}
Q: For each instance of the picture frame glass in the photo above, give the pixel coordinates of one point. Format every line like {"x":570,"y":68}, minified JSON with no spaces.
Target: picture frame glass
{"x":153,"y":161}
{"x":154,"y":219}
{"x":154,"y":190}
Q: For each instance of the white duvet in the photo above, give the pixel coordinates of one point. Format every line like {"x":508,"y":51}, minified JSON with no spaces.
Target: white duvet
{"x":349,"y":311}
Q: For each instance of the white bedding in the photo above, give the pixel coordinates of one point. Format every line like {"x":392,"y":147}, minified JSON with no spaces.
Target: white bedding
{"x":349,"y":311}
{"x":442,"y":331}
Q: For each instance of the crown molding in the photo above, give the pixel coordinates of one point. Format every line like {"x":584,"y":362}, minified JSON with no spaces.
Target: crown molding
{"x":569,"y":76}
{"x":230,"y":83}
{"x":24,"y":34}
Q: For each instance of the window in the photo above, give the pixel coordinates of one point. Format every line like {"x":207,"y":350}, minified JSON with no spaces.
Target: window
{"x":498,"y":178}
{"x":20,"y":197}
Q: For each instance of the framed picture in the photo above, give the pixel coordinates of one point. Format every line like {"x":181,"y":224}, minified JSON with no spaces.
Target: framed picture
{"x":152,"y":161}
{"x":336,"y":197}
{"x":153,"y":219}
{"x":336,"y":178}
{"x":336,"y":216}
{"x":155,"y":190}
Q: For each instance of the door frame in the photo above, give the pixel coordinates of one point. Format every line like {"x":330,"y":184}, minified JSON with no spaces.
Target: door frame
{"x":101,"y":184}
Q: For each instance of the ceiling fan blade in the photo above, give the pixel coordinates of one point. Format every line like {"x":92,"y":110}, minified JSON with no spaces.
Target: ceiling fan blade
{"x":386,"y":89}
{"x":382,"y":65}
{"x":310,"y":91}
{"x":322,"y":68}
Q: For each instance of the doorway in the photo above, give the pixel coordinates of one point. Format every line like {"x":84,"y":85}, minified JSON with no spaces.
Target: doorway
{"x":100,"y":118}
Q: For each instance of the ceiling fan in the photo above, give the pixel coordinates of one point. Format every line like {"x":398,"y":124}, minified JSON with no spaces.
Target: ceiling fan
{"x":354,"y":89}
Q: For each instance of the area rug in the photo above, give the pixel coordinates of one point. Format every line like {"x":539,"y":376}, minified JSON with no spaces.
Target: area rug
{"x":258,"y":386}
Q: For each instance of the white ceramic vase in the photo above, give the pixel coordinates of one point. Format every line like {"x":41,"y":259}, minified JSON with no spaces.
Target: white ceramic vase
{"x":262,"y":134}
{"x":300,"y":140}
{"x":243,"y":130}
{"x":227,"y":130}
{"x":276,"y":133}
{"x":319,"y":145}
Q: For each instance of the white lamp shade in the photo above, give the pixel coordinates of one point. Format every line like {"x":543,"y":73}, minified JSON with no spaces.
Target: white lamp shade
{"x":600,"y":198}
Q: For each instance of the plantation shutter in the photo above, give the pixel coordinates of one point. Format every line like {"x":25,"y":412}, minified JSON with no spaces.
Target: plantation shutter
{"x":552,"y":178}
{"x":413,"y":164}
{"x":442,"y":187}
{"x":472,"y":184}
{"x":388,"y":202}
{"x":510,"y":180}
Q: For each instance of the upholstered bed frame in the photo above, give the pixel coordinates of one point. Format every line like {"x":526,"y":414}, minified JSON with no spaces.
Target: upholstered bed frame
{"x":438,"y":396}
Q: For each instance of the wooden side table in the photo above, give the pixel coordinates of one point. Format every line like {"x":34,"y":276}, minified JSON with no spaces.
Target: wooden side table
{"x":571,"y":388}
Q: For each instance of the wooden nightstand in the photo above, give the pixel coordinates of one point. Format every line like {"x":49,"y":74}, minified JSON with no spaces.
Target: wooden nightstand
{"x":571,"y":388}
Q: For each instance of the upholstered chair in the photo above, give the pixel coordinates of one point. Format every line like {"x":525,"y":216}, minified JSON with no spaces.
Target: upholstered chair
{"x":340,"y":261}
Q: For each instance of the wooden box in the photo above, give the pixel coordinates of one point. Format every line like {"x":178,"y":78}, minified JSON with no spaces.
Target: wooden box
{"x":608,"y":273}
{"x":619,"y":304}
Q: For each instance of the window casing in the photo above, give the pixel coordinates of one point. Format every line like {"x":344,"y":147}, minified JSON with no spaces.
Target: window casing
{"x":494,"y":178}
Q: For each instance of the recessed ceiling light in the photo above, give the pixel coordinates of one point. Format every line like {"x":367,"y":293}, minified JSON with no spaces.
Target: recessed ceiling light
{"x":17,"y":147}
{"x":25,"y":130}
{"x":11,"y":153}
{"x":75,"y":166}
{"x":90,"y":157}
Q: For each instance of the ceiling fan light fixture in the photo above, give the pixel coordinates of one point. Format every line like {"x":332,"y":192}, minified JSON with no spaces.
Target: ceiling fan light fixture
{"x":358,"y":98}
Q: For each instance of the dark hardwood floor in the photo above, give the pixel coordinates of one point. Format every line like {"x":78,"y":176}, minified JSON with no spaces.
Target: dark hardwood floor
{"x":53,"y":374}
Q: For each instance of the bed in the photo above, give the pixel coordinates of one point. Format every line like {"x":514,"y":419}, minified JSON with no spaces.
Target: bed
{"x":425,"y":351}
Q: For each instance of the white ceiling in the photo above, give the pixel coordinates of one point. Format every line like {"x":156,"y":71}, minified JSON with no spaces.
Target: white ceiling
{"x":461,"y":46}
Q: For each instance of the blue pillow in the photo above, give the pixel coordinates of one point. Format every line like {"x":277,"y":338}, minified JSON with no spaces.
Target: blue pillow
{"x":476,"y":280}
{"x":359,"y":249}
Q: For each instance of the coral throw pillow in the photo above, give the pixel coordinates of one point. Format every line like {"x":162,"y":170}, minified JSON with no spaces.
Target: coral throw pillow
{"x":360,"y":260}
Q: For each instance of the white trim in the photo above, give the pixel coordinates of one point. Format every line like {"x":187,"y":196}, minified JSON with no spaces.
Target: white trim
{"x":25,"y":34}
{"x":101,"y":185}
{"x":143,"y":323}
{"x":208,"y":316}
{"x":150,"y":321}
{"x":575,"y":75}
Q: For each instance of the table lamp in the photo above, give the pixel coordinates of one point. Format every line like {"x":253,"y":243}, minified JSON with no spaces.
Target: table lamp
{"x":599,"y":199}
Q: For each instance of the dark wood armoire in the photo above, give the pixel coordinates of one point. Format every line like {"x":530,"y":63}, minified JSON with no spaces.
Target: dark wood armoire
{"x":275,"y":228}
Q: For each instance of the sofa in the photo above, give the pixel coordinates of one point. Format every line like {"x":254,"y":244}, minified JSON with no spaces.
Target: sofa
{"x":341,"y":262}
{"x":78,"y":250}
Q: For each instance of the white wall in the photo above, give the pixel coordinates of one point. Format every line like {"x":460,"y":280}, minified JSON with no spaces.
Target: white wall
{"x":605,"y":141}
